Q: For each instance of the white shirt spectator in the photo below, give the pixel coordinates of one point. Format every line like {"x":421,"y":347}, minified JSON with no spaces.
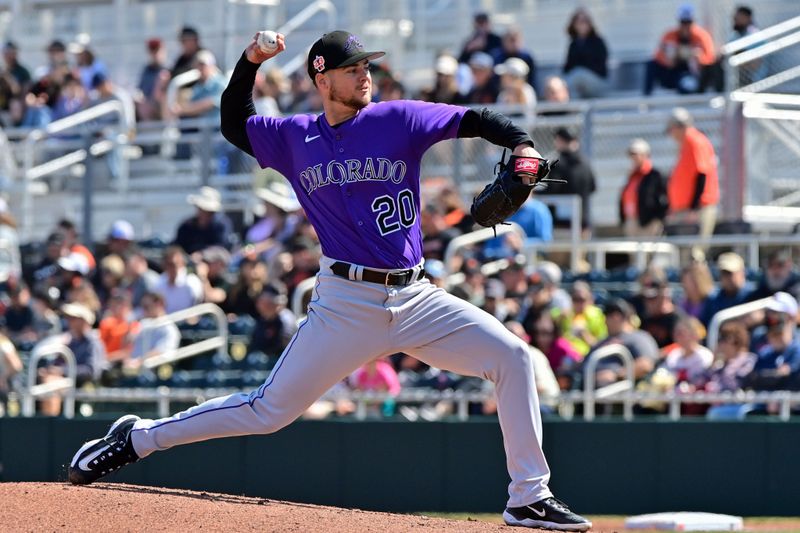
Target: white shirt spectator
{"x":694,"y":364}
{"x":186,"y":292}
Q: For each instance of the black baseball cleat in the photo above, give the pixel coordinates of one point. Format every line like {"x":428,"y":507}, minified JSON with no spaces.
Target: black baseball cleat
{"x":100,"y":457}
{"x":548,"y":513}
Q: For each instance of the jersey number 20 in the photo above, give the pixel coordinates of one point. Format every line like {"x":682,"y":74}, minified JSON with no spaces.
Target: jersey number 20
{"x":392,"y":213}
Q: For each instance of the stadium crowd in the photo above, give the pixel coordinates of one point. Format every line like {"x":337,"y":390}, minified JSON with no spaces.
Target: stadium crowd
{"x":98,"y":301}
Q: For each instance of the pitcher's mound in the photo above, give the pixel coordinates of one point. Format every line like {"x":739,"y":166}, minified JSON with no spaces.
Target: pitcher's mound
{"x":113,"y":507}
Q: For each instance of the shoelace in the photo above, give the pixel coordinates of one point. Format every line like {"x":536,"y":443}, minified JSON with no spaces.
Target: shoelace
{"x":559,"y":505}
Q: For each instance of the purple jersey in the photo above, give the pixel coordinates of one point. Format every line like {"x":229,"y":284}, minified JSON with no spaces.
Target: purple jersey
{"x":358,"y":182}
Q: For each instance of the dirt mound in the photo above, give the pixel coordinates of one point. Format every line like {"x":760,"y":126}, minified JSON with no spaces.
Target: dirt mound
{"x":112,"y":507}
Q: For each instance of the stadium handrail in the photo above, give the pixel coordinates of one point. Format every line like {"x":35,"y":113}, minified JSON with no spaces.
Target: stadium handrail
{"x":218,"y":341}
{"x":300,"y":291}
{"x":760,"y":36}
{"x":303,"y":16}
{"x":737,"y":311}
{"x":475,"y":237}
{"x":64,"y":385}
{"x":590,"y":394}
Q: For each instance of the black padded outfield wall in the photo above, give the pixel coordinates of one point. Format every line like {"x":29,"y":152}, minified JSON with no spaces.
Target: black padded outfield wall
{"x":601,"y":467}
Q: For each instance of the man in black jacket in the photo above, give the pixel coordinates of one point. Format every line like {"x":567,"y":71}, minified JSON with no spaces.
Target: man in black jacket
{"x":643,"y":202}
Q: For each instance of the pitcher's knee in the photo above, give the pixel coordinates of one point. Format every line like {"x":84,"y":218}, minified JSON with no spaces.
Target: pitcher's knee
{"x":515,"y":358}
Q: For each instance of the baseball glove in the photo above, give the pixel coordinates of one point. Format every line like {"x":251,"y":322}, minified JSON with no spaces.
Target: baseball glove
{"x":506,"y":194}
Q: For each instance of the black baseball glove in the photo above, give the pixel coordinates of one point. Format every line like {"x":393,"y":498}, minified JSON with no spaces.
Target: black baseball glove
{"x":506,"y":194}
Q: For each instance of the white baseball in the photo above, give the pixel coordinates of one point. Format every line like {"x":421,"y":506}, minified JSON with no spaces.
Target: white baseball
{"x":267,"y":41}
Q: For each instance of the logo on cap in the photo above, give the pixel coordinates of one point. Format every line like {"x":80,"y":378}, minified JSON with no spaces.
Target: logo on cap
{"x":351,"y":43}
{"x":319,"y":63}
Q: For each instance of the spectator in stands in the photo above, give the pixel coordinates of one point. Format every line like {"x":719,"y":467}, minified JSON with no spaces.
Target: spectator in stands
{"x":544,"y":295}
{"x":660,"y":314}
{"x":208,"y":227}
{"x":32,"y":111}
{"x":545,"y":336}
{"x":583,"y":325}
{"x":445,"y":87}
{"x":54,"y":73}
{"x":46,"y":320}
{"x":151,"y":341}
{"x":556,"y":90}
{"x":515,"y":279}
{"x":643,"y":203}
{"x":305,"y":254}
{"x":212,"y":269}
{"x":456,"y":214}
{"x":779,"y":275}
{"x":688,"y":360}
{"x":472,"y":289}
{"x":190,"y":46}
{"x":586,"y":68}
{"x":72,"y":98}
{"x":436,"y":233}
{"x":103,"y":90}
{"x":120,"y":239}
{"x":19,"y":321}
{"x":268,"y":89}
{"x":697,"y":285}
{"x":82,"y":291}
{"x":778,"y":364}
{"x":512,"y":47}
{"x":88,"y":65}
{"x":575,"y":170}
{"x":179,"y":288}
{"x":19,"y":72}
{"x":74,"y":271}
{"x":693,"y":187}
{"x":72,"y":241}
{"x":45,"y":273}
{"x":278,"y":220}
{"x":744,"y":25}
{"x":206,"y":93}
{"x":734,"y":361}
{"x":111,"y":276}
{"x":485,"y":85}
{"x":732,"y":286}
{"x":10,"y":365}
{"x":119,"y":327}
{"x":514,"y":86}
{"x":275,"y":324}
{"x":139,"y":278}
{"x":481,"y":40}
{"x":153,"y":82}
{"x":247,"y":288}
{"x":546,"y":382}
{"x":684,"y":56}
{"x":621,"y":322}
{"x":85,"y":344}
{"x":494,"y":300}
{"x":535,"y":219}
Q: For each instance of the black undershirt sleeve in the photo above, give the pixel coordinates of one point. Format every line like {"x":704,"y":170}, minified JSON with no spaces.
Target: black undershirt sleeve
{"x":237,"y":104}
{"x":698,"y":190}
{"x":494,"y":127}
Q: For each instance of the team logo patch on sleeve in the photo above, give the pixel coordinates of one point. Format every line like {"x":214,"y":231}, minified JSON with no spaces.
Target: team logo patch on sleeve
{"x":319,"y":63}
{"x":524,"y":164}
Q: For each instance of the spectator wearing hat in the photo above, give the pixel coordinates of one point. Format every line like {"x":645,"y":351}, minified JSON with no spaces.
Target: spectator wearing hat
{"x":208,"y":227}
{"x":242,"y":296}
{"x":780,"y":275}
{"x":275,"y":324}
{"x":89,"y":66}
{"x":179,"y":288}
{"x":110,"y":277}
{"x":544,"y":294}
{"x":732,"y":286}
{"x":586,"y":68}
{"x":119,"y":326}
{"x":21,"y":75}
{"x":778,"y":363}
{"x":494,"y":300}
{"x":683,"y":54}
{"x":693,"y":187}
{"x":482,"y":39}
{"x":546,"y":336}
{"x":584,"y":324}
{"x":190,"y":46}
{"x":575,"y":170}
{"x":515,"y":279}
{"x":734,"y":360}
{"x":212,"y":269}
{"x":660,"y":313}
{"x":485,"y":85}
{"x":445,"y":87}
{"x":85,"y":344}
{"x":514,"y":86}
{"x":120,"y":238}
{"x":643,"y":203}
{"x":74,"y":271}
{"x":153,"y":80}
{"x":278,"y":222}
{"x":621,"y":323}
{"x":206,"y":93}
{"x":151,"y":340}
{"x":512,"y":47}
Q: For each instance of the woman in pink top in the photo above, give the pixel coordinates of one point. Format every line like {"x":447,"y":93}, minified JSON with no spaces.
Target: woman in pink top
{"x":562,"y":356}
{"x":378,"y":376}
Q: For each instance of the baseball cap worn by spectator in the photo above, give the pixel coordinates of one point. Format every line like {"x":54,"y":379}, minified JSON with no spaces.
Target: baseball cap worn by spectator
{"x":679,"y":117}
{"x":337,"y":49}
{"x":280,"y":195}
{"x":730,"y":262}
{"x":207,"y":199}
{"x":75,"y":262}
{"x":154,"y":44}
{"x":639,"y":147}
{"x":446,"y":65}
{"x":481,"y":60}
{"x":514,"y":67}
{"x":618,"y":305}
{"x":685,"y":13}
{"x":435,"y":268}
{"x":785,"y":303}
{"x":204,"y":57}
{"x":78,"y":310}
{"x":121,"y":230}
{"x":114,"y":265}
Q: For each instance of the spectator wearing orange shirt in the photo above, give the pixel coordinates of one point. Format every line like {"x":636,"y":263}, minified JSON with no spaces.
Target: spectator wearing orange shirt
{"x":643,"y":202}
{"x":118,"y":328}
{"x":685,"y":55}
{"x":693,"y":187}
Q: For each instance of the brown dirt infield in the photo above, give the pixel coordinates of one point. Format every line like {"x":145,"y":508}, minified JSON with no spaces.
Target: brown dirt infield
{"x":115,"y":507}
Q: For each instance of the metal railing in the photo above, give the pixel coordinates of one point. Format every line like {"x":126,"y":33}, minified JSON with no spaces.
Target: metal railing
{"x":475,"y":237}
{"x":624,"y":387}
{"x":737,"y":311}
{"x":218,"y":342}
{"x":64,"y":386}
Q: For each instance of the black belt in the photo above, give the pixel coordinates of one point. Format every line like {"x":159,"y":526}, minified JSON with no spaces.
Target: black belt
{"x":395,"y":277}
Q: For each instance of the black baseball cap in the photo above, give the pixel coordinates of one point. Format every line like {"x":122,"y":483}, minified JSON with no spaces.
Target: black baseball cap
{"x":337,"y":49}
